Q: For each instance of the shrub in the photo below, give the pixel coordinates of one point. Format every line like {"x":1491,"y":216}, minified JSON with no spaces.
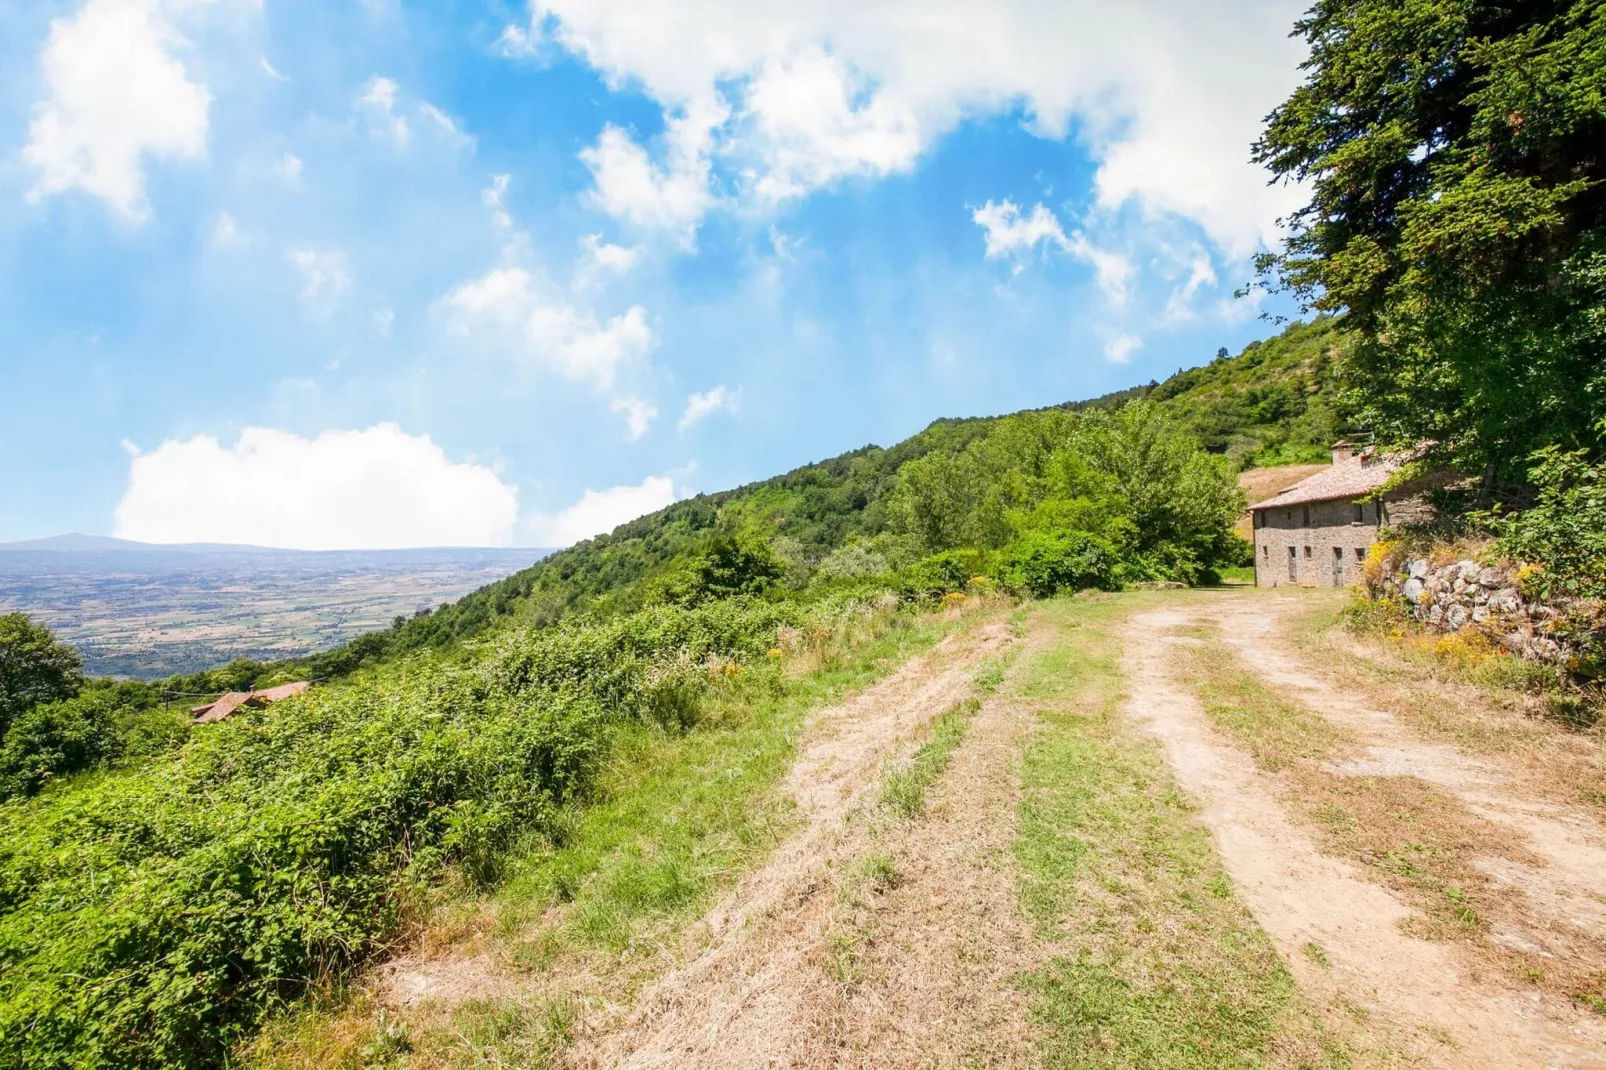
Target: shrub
{"x":152,"y":916}
{"x":941,"y":573}
{"x":1045,"y":564}
{"x":1564,"y":531}
{"x":55,"y":739}
{"x":34,"y":668}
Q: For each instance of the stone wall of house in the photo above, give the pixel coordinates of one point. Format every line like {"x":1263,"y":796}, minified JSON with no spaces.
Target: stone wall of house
{"x":1319,"y":544}
{"x":1487,"y":599}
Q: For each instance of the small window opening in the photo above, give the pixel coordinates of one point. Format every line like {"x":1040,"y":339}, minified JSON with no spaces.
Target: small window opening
{"x":1307,"y":516}
{"x":1293,"y":564}
{"x":1360,"y":512}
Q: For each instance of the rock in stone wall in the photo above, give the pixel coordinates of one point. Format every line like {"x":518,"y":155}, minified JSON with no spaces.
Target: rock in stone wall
{"x":1489,"y":600}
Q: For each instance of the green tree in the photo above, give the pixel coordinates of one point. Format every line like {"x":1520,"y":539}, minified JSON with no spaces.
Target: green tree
{"x":1453,"y":151}
{"x":34,"y":667}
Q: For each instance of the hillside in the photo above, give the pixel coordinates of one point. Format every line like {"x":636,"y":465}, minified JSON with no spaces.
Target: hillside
{"x":1272,"y":404}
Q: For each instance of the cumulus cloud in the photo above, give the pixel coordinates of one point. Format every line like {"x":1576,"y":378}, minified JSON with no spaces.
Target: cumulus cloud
{"x":638,"y":413}
{"x":380,"y":488}
{"x":117,"y":94}
{"x":1168,"y":95}
{"x":600,"y":511}
{"x":701,"y":406}
{"x":546,"y":331}
{"x":1009,"y":233}
{"x":1119,"y":349}
{"x":673,"y":198}
{"x":600,"y":256}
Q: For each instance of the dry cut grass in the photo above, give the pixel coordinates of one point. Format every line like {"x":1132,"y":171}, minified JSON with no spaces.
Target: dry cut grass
{"x":1413,"y":837}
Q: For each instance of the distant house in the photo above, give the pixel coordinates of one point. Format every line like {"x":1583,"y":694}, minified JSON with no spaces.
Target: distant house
{"x":233,"y":700}
{"x":1317,"y":532}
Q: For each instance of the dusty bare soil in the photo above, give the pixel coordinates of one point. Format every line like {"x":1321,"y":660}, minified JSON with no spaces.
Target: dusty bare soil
{"x":1429,"y":999}
{"x":808,"y":963}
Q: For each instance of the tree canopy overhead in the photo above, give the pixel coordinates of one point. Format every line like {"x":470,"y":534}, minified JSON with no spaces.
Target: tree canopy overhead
{"x":1455,"y":151}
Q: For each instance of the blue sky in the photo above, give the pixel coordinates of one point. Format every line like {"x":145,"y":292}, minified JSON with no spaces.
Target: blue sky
{"x":376,"y":273}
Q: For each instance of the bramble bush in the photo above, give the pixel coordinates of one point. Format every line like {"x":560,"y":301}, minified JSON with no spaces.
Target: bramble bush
{"x":1047,"y":563}
{"x":153,"y":916}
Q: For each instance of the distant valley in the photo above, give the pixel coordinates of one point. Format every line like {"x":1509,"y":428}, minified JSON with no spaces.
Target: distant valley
{"x":141,"y":610}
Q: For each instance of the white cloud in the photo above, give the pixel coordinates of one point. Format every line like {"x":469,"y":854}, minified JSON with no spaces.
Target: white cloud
{"x":598,"y":256}
{"x":1119,"y":349}
{"x":271,"y":71}
{"x":325,"y":279}
{"x":1201,"y":273}
{"x":445,"y":124}
{"x":548,"y":331}
{"x":600,"y":511}
{"x":1111,"y":271}
{"x":1008,"y":232}
{"x":638,"y":413}
{"x":379,"y":100}
{"x":384,"y":320}
{"x":491,"y":196}
{"x":373,"y":489}
{"x":672,"y":198}
{"x":1168,"y":95}
{"x":117,"y":94}
{"x":225,"y":231}
{"x":288,"y":168}
{"x":701,"y":406}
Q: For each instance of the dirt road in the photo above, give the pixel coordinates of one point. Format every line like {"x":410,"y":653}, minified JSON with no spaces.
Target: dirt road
{"x":1428,"y":997}
{"x":771,"y":987}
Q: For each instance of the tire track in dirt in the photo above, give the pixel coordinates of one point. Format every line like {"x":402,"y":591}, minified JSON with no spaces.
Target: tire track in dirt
{"x":1573,"y":846}
{"x":757,"y":993}
{"x":1416,"y":992}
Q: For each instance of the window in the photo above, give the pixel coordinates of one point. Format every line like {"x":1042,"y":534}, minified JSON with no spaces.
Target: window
{"x":1307,"y":553}
{"x":1360,"y":512}
{"x":1338,"y":566}
{"x":1360,"y":553}
{"x":1307,"y":516}
{"x":1293,"y":565}
{"x":1265,"y":554}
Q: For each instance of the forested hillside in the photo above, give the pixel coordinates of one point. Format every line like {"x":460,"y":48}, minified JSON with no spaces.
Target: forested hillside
{"x":1274,"y":403}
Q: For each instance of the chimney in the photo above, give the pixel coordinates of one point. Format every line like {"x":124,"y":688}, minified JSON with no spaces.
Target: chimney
{"x":1343,"y":451}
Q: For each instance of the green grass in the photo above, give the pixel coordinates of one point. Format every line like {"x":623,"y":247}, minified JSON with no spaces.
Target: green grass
{"x":1157,"y":964}
{"x":679,"y":816}
{"x":904,"y":790}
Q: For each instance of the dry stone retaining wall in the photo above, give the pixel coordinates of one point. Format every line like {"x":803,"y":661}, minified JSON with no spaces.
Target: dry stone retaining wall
{"x":1489,"y":600}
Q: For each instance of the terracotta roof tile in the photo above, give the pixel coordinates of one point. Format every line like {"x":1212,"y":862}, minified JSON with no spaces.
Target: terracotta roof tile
{"x":1347,"y":479}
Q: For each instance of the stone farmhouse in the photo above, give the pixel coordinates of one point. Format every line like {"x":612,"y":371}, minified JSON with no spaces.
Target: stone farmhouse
{"x":1317,"y":532}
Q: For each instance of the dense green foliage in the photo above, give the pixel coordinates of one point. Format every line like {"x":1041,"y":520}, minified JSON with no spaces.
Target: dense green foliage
{"x":34,"y":668}
{"x":149,"y":916}
{"x":56,"y":738}
{"x":1131,"y":479}
{"x":1455,"y":151}
{"x":1564,"y":532}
